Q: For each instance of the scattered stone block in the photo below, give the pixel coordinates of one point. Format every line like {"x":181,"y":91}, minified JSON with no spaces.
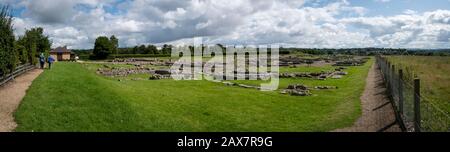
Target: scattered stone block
{"x":336,"y":77}
{"x":297,"y":90}
{"x":341,"y":73}
{"x":162,"y":72}
{"x":325,"y":87}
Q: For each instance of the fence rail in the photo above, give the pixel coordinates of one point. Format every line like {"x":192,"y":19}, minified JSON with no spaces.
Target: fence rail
{"x":414,"y":111}
{"x":19,"y":70}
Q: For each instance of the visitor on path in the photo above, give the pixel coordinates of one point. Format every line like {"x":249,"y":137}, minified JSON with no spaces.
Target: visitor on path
{"x":42,"y":60}
{"x":50,"y":61}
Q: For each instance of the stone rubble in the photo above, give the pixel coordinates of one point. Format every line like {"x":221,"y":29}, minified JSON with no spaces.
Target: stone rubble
{"x":297,"y":90}
{"x":325,"y":87}
{"x":122,"y":72}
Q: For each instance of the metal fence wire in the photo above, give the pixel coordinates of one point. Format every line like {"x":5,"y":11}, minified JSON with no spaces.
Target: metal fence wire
{"x":414,"y":111}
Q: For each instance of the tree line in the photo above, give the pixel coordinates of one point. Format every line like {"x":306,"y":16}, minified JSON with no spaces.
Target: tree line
{"x":25,"y":49}
{"x":105,"y":47}
{"x":367,"y":51}
{"x":152,"y":51}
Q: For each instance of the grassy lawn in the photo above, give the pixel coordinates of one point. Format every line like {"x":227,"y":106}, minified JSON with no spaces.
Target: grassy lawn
{"x":71,"y":97}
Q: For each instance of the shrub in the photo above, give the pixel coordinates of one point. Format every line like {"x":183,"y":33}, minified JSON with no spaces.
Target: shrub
{"x":7,"y":52}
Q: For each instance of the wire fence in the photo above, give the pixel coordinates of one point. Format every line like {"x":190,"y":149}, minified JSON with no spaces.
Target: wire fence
{"x":414,"y":111}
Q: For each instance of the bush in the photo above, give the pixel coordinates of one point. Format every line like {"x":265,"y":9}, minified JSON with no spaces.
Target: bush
{"x":22,"y":54}
{"x":7,"y":52}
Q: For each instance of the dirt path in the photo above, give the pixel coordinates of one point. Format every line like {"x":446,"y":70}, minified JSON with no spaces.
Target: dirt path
{"x":10,"y":96}
{"x":377,"y":112}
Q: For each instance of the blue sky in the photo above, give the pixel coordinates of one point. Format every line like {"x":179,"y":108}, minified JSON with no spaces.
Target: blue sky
{"x":299,"y":23}
{"x":389,"y":7}
{"x":393,"y":7}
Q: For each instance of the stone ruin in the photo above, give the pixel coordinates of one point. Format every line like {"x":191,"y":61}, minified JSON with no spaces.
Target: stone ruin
{"x":240,"y":75}
{"x":290,"y":61}
{"x":334,"y":60}
{"x":160,"y":74}
{"x":340,"y":68}
{"x":293,"y":61}
{"x":142,"y":61}
{"x":293,"y":89}
{"x":351,"y":62}
{"x":240,"y":85}
{"x":123,"y":72}
{"x":297,"y":90}
{"x":303,"y":90}
{"x":316,"y":75}
{"x":325,"y":87}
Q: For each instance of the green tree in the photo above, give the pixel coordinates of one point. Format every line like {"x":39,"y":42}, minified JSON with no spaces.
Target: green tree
{"x":114,"y":44}
{"x":166,"y":49}
{"x":152,"y":49}
{"x":102,"y":48}
{"x":7,"y":51}
{"x":33,"y":53}
{"x":22,"y":53}
{"x":35,"y":42}
{"x":135,"y":50}
{"x":141,"y":49}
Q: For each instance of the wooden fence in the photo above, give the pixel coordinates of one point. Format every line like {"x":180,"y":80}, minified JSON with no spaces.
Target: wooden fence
{"x":19,"y":70}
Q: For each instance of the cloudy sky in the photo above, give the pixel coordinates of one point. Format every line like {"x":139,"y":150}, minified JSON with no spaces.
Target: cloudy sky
{"x":299,"y":23}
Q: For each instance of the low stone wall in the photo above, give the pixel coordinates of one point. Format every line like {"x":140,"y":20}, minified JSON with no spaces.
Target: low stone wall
{"x":124,"y":72}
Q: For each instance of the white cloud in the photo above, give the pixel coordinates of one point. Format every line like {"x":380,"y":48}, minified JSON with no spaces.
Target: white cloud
{"x":382,"y":1}
{"x":287,"y":22}
{"x":429,"y":28}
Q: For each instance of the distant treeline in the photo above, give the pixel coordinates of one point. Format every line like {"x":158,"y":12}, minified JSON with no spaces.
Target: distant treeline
{"x":108,"y":48}
{"x":131,"y":50}
{"x":127,"y":52}
{"x":152,"y":51}
{"x":367,"y":51}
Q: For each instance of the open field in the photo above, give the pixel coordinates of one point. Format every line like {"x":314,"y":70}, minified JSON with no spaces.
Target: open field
{"x":433,"y":72}
{"x":434,"y":90}
{"x":72,"y":97}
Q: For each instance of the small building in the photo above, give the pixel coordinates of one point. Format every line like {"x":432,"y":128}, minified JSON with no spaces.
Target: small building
{"x":62,"y":54}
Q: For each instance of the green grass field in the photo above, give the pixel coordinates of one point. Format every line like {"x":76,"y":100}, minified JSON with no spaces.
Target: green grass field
{"x":434,"y":74}
{"x":72,"y":97}
{"x":305,"y":68}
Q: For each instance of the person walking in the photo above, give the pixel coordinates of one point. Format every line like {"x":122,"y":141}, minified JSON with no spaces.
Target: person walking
{"x":50,"y":61}
{"x":42,"y":60}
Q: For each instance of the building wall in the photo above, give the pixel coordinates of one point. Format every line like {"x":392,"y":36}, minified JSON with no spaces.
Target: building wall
{"x":64,"y":56}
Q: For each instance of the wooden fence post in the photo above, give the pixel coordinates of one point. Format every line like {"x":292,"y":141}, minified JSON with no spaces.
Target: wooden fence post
{"x":400,"y":91}
{"x":417,"y":105}
{"x":388,"y":76}
{"x":392,"y":80}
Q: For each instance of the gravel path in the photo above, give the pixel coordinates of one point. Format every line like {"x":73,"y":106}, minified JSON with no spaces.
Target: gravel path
{"x":377,"y":112}
{"x":10,"y":96}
